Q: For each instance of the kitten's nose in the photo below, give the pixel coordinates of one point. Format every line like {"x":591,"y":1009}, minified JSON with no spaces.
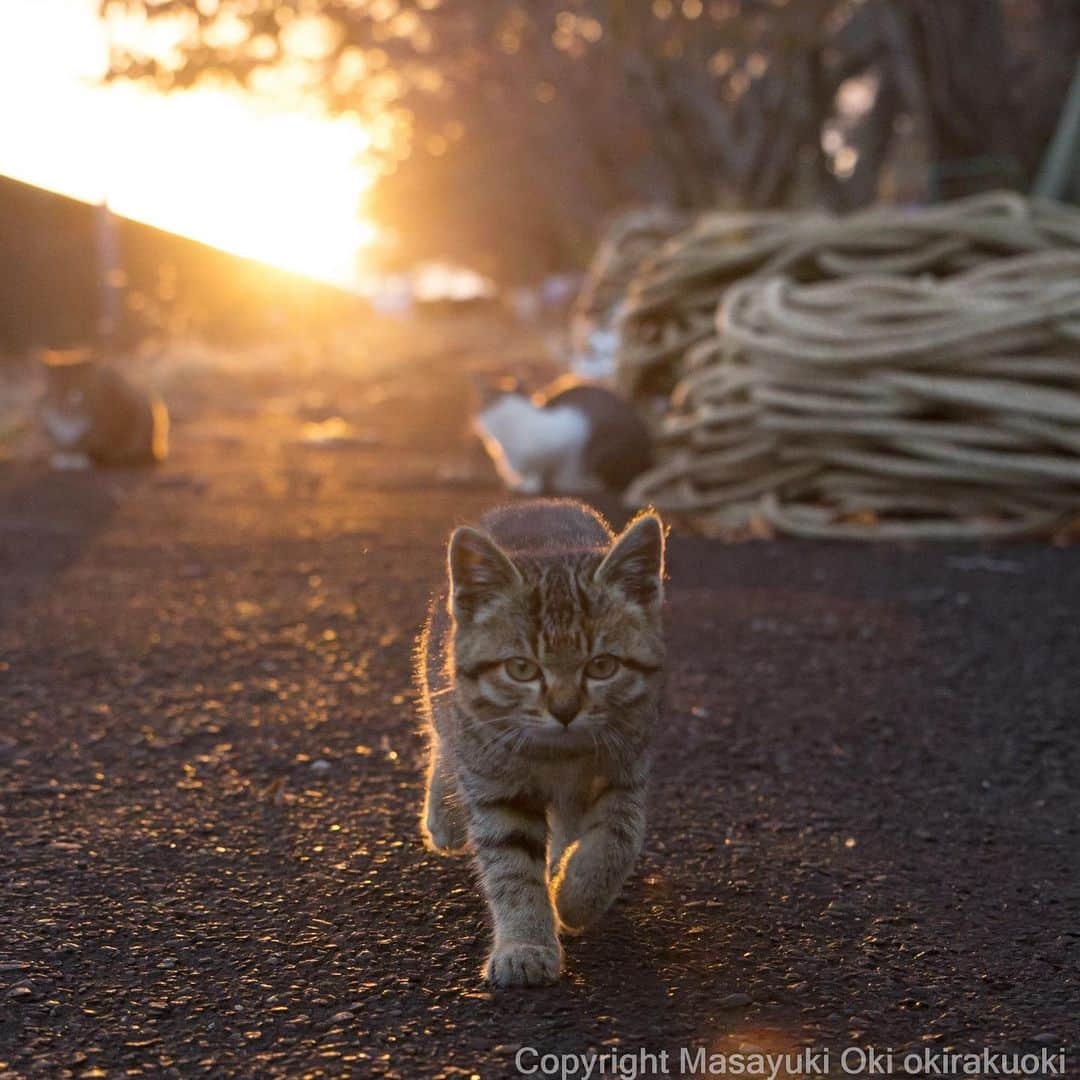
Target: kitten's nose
{"x":564,"y":707}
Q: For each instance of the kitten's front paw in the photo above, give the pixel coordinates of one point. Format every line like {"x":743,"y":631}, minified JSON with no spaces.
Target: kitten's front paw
{"x":576,"y":906}
{"x":523,"y":965}
{"x":580,"y":898}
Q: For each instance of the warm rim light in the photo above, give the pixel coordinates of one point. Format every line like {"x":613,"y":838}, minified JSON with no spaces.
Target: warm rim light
{"x":284,"y":187}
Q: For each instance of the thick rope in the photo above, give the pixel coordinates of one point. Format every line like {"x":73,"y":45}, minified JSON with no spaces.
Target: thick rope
{"x":895,"y":374}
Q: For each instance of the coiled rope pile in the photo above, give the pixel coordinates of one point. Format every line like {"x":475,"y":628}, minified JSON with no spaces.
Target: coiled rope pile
{"x":893,"y":374}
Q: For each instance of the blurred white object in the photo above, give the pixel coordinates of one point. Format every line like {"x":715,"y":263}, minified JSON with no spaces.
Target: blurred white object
{"x":595,"y":345}
{"x":444,"y":281}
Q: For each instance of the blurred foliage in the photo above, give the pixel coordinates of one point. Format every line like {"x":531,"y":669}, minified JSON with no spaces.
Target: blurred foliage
{"x":507,"y":131}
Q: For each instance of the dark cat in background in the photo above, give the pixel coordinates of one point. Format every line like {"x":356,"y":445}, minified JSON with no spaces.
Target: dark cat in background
{"x":89,"y":408}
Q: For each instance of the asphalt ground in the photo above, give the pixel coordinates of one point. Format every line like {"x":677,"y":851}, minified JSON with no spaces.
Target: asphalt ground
{"x":865,"y":823}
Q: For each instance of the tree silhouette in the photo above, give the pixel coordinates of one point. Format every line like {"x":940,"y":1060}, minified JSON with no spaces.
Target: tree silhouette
{"x":507,"y":131}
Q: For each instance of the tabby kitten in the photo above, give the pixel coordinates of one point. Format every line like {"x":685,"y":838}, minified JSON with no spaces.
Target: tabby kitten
{"x":541,"y":678}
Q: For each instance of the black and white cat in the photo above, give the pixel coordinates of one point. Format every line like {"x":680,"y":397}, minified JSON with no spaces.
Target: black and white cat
{"x":91,"y":409}
{"x":573,"y":437}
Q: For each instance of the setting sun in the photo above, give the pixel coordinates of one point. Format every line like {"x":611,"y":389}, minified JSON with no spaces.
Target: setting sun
{"x":280,"y":183}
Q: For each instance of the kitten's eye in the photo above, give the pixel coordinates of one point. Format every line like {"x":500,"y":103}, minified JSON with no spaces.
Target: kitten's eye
{"x":601,"y":667}
{"x":521,"y":670}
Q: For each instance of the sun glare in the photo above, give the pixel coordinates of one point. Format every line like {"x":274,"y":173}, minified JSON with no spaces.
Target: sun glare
{"x":284,"y":188}
{"x":282,"y":185}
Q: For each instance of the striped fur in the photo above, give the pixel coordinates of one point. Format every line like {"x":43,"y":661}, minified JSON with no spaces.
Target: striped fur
{"x":541,"y":675}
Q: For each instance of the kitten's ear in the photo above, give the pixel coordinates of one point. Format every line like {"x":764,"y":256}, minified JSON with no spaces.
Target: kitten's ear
{"x":635,"y":563}
{"x":479,"y":570}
